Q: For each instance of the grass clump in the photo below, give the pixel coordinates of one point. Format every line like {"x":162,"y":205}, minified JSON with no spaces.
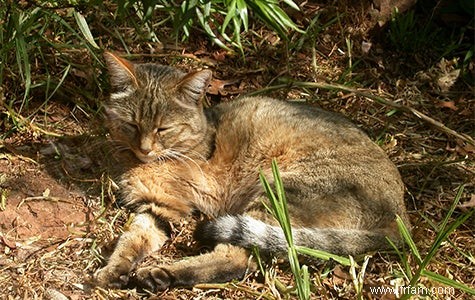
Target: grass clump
{"x":281,"y":213}
{"x":421,"y":270}
{"x":412,"y":275}
{"x":223,"y":21}
{"x":279,"y":210}
{"x":40,"y":47}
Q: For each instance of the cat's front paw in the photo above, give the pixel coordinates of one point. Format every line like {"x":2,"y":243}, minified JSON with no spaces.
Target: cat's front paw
{"x":111,"y":277}
{"x":154,"y":279}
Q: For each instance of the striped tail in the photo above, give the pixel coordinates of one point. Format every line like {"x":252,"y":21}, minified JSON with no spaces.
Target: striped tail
{"x":247,"y":232}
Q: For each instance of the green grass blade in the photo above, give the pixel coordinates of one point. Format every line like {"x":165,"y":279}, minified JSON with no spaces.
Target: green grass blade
{"x":270,"y":194}
{"x":61,"y":81}
{"x":292,"y":4}
{"x":402,"y":258}
{"x":452,"y":208}
{"x":444,"y":231}
{"x":243,"y":13}
{"x":406,"y":235}
{"x":230,"y":14}
{"x":84,"y":28}
{"x":23,"y":62}
{"x":442,"y":234}
{"x":305,"y":282}
{"x":280,"y":211}
{"x":319,"y":254}
{"x":205,"y":25}
{"x":449,"y":282}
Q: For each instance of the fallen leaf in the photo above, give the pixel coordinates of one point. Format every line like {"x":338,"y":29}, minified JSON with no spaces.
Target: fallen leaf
{"x":339,"y":272}
{"x":446,"y":81}
{"x":216,"y":87}
{"x":366,"y":46}
{"x":469,"y":203}
{"x":468,"y":148}
{"x":7,"y":242}
{"x":447,"y":104}
{"x":219,"y":55}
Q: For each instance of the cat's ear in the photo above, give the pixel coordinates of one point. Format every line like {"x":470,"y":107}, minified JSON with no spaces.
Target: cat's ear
{"x":195,"y":84}
{"x":109,"y":112}
{"x":121,"y":71}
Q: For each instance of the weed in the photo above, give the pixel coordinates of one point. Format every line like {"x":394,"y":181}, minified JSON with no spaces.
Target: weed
{"x":443,"y":231}
{"x":406,"y":34}
{"x":279,"y":210}
{"x":281,"y":213}
{"x":223,"y":21}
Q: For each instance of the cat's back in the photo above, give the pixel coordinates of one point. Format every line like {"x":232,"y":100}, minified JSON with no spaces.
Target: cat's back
{"x":267,"y":122}
{"x":318,"y":151}
{"x":252,"y":131}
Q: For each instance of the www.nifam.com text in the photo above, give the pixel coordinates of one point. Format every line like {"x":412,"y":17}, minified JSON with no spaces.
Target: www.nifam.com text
{"x":411,"y":290}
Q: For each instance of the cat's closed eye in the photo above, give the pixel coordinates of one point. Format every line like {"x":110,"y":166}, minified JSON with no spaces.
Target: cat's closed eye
{"x":129,"y":128}
{"x":160,"y":130}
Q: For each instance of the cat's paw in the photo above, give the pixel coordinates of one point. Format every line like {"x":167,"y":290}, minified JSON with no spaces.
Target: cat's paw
{"x":154,"y":279}
{"x":110,"y":277}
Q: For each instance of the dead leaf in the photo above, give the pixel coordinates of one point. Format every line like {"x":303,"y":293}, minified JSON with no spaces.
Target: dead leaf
{"x":447,"y":104}
{"x":216,"y":86}
{"x":464,"y":148}
{"x":366,"y":46}
{"x":470,"y":203}
{"x":446,"y":81}
{"x":339,"y":272}
{"x":461,"y":148}
{"x":46,"y":193}
{"x":7,"y":242}
{"x":219,"y":55}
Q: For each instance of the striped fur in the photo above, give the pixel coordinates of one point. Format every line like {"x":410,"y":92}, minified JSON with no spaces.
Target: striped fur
{"x":343,"y":193}
{"x":248,"y":232}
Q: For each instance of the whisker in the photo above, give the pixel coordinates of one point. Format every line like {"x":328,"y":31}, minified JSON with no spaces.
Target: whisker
{"x":184,"y":158}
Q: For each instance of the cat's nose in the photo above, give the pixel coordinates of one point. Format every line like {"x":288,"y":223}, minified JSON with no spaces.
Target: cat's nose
{"x":145,"y":151}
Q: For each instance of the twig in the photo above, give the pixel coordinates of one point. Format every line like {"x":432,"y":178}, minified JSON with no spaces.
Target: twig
{"x":223,"y":286}
{"x":25,"y":122}
{"x":369,"y":95}
{"x":45,"y":198}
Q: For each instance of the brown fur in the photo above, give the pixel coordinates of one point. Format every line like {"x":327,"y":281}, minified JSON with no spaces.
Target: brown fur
{"x":343,"y":193}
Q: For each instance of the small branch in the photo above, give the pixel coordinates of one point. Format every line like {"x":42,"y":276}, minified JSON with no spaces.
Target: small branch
{"x":42,"y":198}
{"x":369,"y":95}
{"x":223,"y":286}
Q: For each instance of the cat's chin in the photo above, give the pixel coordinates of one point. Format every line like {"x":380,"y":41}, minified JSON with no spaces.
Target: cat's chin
{"x":145,"y":158}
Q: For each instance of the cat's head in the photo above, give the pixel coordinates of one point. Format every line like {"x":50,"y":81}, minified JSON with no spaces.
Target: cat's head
{"x":156,"y":111}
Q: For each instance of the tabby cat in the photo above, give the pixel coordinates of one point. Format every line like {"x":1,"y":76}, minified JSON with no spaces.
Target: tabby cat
{"x":343,"y":192}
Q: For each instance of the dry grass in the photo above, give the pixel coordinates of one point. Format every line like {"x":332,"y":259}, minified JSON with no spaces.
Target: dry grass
{"x":432,"y":161}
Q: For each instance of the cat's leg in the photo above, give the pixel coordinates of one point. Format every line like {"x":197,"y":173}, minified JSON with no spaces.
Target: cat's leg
{"x":158,"y":196}
{"x":225,"y":263}
{"x":144,"y":235}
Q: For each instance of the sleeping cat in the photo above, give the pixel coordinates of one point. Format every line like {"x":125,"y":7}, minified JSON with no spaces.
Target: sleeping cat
{"x":343,"y":192}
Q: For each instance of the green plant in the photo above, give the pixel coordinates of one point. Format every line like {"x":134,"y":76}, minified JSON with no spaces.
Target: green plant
{"x":223,"y":21}
{"x":280,"y":212}
{"x":39,"y":50}
{"x":443,"y":231}
{"x":358,"y":279}
{"x":406,"y":33}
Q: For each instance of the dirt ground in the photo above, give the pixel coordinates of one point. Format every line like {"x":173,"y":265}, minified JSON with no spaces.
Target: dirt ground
{"x":59,"y":214}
